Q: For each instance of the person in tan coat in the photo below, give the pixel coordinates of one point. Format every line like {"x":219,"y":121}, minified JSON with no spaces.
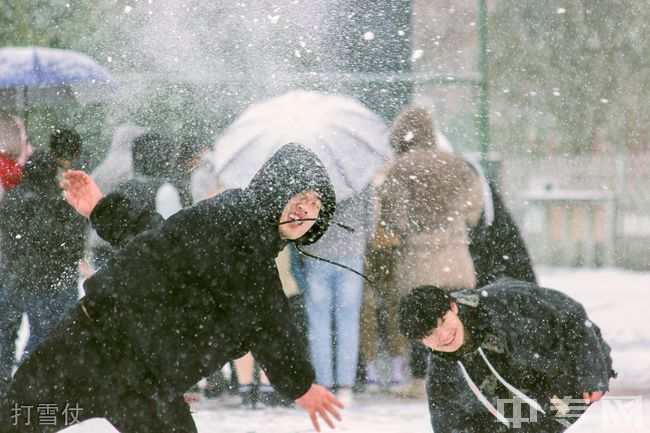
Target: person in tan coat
{"x":427,"y":203}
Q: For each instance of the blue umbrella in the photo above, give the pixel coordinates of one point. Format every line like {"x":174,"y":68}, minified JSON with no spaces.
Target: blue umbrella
{"x":40,"y":77}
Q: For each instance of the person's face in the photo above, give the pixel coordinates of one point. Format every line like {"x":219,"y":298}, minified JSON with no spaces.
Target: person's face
{"x":65,"y":164}
{"x":303,"y":205}
{"x":449,"y":335}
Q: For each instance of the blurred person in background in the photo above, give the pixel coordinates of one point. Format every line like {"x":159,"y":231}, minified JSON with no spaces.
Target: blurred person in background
{"x":153,"y":162}
{"x":189,"y":155}
{"x":14,"y":151}
{"x":42,"y":243}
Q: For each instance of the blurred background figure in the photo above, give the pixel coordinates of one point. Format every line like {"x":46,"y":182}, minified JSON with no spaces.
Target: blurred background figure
{"x":42,"y":243}
{"x":250,"y":393}
{"x":117,"y":166}
{"x":153,"y":159}
{"x":189,"y":155}
{"x":14,"y":151}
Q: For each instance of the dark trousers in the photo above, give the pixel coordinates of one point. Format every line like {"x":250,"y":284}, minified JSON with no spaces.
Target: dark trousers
{"x":44,"y":311}
{"x":79,"y":372}
{"x":10,"y":320}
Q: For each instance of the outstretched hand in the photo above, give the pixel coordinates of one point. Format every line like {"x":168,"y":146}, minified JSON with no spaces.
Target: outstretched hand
{"x":592,"y":397}
{"x":81,"y":191}
{"x":318,"y":401}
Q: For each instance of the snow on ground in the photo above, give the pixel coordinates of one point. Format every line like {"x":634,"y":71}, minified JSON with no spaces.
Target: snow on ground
{"x":616,"y":300}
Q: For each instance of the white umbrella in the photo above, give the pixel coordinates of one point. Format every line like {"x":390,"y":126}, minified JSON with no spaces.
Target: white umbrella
{"x":350,"y":139}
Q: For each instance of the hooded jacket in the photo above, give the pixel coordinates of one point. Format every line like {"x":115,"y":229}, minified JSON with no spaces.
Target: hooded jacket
{"x":428,"y":201}
{"x":191,"y":293}
{"x":538,"y":340}
{"x":42,"y":236}
{"x":496,"y":246}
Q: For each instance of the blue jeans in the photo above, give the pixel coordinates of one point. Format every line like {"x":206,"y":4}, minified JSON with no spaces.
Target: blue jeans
{"x":334,"y":293}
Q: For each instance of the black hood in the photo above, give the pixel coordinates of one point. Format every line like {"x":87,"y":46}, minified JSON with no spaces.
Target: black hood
{"x":291,"y":170}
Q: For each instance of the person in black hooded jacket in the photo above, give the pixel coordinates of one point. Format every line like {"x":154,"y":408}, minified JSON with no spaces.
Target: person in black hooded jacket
{"x":182,"y":298}
{"x":511,"y":356}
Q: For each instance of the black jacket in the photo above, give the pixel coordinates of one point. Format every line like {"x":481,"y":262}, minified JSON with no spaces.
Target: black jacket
{"x":539,"y":340}
{"x":141,"y":189}
{"x":498,"y":249}
{"x":42,"y":236}
{"x":191,"y":293}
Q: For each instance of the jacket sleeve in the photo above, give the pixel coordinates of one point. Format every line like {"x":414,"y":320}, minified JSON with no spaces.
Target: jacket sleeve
{"x":550,"y":332}
{"x":280,"y":350}
{"x":589,"y":353}
{"x":498,"y":250}
{"x":450,"y":401}
{"x":116,"y":219}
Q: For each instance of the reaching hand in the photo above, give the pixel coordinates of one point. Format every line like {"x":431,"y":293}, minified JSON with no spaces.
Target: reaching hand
{"x":319,"y":400}
{"x":592,"y":397}
{"x":81,"y":191}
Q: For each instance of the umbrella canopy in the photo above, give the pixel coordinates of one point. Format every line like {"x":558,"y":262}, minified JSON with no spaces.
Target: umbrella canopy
{"x":36,"y":77}
{"x":350,"y":139}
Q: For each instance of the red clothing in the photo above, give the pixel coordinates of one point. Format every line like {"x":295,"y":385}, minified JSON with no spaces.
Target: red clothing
{"x":10,"y":172}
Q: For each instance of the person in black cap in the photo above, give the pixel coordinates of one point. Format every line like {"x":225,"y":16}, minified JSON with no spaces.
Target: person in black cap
{"x":180,"y":299}
{"x":511,"y":356}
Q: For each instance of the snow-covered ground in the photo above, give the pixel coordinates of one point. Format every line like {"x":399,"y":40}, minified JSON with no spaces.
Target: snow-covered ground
{"x":616,"y":300}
